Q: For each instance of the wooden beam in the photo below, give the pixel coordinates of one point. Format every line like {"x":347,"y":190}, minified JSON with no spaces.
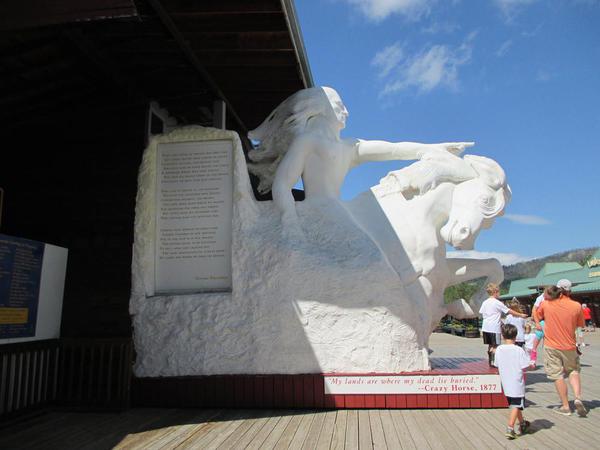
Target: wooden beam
{"x":238,"y":22}
{"x":150,"y":25}
{"x":229,"y":6}
{"x":253,"y":40}
{"x":21,"y":14}
{"x":247,"y":58}
{"x":194,"y":60}
{"x":106,"y":66}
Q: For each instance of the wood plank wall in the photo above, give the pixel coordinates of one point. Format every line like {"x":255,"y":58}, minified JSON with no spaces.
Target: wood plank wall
{"x":73,"y":183}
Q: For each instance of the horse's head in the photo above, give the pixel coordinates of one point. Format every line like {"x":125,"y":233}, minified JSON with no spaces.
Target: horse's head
{"x":476,"y":203}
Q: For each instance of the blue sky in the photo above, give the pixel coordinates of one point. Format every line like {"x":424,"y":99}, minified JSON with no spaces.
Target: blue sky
{"x":521,"y":78}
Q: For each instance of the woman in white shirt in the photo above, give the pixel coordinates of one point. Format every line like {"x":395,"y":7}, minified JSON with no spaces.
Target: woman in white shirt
{"x":492,"y":310}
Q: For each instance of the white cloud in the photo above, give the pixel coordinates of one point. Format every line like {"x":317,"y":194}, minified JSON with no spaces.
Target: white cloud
{"x":435,"y":66}
{"x":544,"y":75}
{"x":441,"y":27}
{"x":533,"y":31}
{"x":506,"y":259}
{"x":526,"y":219}
{"x":378,"y":10}
{"x":510,"y":8}
{"x":503,"y":49}
{"x":388,"y":58}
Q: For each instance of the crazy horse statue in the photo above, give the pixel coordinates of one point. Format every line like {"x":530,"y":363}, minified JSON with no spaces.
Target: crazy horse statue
{"x":323,"y":285}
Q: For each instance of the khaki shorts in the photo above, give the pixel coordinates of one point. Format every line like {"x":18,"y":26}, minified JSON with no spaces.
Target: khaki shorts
{"x":560,"y":363}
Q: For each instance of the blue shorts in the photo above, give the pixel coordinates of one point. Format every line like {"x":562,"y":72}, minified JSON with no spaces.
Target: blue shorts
{"x":516,"y":402}
{"x":539,"y":334}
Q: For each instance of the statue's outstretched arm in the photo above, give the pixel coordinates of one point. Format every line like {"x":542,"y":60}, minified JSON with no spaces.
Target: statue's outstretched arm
{"x":385,"y":151}
{"x":288,"y":173}
{"x":465,"y":269}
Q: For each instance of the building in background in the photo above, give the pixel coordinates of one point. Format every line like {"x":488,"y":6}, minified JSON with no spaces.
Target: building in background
{"x":585,"y":279}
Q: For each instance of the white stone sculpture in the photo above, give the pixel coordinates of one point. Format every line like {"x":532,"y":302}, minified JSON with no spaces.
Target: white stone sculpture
{"x":358,"y":290}
{"x":441,"y":213}
{"x":301,"y":138}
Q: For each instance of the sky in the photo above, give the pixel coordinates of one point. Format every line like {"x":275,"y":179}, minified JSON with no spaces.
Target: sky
{"x":521,"y":78}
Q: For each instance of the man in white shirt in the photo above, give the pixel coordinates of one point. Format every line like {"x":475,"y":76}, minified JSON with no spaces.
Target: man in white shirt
{"x":492,"y":310}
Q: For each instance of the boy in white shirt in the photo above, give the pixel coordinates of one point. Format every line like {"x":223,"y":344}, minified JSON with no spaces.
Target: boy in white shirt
{"x":511,"y":361}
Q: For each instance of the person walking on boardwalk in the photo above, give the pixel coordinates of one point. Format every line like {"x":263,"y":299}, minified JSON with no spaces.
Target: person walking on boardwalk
{"x":539,"y":332}
{"x":492,"y":310}
{"x":511,"y":361}
{"x":563,"y":330}
{"x":530,"y":340}
{"x":587,"y":316}
{"x":518,"y":322}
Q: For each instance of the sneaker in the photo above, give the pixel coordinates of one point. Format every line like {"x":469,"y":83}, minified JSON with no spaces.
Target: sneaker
{"x":581,"y":411}
{"x":525,"y":426}
{"x":561,"y":410}
{"x":510,"y":433}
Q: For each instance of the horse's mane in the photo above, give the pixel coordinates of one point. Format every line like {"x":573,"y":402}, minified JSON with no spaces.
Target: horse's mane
{"x":453,"y":170}
{"x":279,"y":129}
{"x":494,"y":177}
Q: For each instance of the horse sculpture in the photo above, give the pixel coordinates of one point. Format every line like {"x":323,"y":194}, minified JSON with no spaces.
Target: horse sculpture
{"x":449,"y":213}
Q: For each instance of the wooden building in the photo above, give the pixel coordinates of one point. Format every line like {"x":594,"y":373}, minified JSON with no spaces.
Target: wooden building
{"x":82,"y":86}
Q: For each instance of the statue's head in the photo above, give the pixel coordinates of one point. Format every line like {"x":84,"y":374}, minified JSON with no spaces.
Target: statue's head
{"x":339,"y":109}
{"x":290,"y":119}
{"x":294,"y":113}
{"x":476,"y":203}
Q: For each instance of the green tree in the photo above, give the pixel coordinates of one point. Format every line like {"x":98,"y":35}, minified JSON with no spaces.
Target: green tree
{"x":463,"y":290}
{"x":584,"y":261}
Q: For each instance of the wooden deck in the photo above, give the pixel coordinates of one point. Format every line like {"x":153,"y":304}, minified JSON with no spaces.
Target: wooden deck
{"x":150,"y":428}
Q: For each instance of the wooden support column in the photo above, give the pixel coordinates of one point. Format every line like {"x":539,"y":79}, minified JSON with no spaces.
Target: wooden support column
{"x":219,"y":114}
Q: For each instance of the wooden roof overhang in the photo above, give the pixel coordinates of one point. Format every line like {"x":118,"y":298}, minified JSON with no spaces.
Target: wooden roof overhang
{"x":60,"y":56}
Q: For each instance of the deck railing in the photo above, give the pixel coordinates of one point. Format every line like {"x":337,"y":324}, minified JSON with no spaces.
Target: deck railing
{"x":83,"y":374}
{"x":28,"y":376}
{"x":95,"y":373}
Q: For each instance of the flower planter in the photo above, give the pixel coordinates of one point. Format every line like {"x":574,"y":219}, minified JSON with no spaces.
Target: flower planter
{"x":472,"y":333}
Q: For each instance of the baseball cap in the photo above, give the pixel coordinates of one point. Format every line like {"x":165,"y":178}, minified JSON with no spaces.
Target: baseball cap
{"x":564,"y":284}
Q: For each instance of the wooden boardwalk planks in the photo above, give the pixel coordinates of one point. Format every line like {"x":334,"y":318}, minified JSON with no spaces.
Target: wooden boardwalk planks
{"x":156,"y":428}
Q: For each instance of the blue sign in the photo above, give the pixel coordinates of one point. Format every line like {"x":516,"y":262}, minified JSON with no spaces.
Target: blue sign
{"x":20,"y":275}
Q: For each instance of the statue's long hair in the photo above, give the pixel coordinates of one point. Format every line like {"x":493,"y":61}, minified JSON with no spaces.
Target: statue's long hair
{"x":280,"y":128}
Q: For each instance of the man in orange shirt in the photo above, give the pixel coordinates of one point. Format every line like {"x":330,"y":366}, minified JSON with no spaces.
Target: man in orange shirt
{"x":564,"y":321}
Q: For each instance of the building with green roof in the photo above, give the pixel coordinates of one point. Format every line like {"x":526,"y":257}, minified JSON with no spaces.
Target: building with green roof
{"x":585,"y":280}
